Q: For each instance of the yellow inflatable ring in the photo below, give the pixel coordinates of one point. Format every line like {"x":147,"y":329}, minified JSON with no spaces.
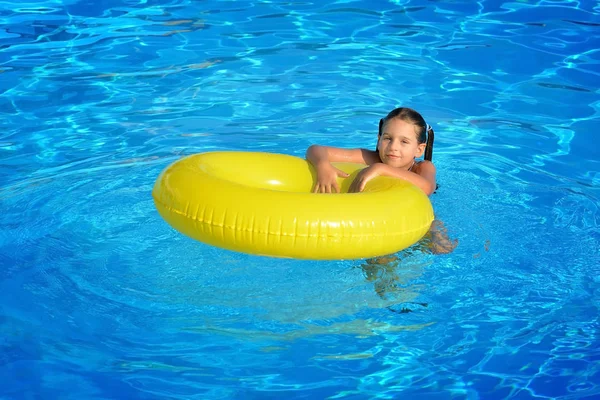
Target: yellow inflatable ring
{"x":261,"y":203}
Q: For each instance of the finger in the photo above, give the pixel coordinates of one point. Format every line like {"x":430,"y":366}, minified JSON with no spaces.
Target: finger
{"x":328,"y":189}
{"x":341,"y":173}
{"x":316,"y":188}
{"x":357,"y":186}
{"x":351,"y":188}
{"x":336,"y":188}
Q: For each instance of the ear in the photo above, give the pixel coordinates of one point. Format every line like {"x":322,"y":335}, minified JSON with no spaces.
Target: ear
{"x":420,"y":150}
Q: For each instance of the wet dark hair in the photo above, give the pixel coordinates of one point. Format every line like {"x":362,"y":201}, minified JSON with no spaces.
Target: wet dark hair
{"x":424,"y":132}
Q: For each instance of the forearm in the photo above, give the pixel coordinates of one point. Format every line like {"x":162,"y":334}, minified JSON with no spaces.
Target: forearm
{"x":417,"y":180}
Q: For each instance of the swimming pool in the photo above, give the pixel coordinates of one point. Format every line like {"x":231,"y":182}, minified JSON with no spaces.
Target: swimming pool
{"x":101,"y":299}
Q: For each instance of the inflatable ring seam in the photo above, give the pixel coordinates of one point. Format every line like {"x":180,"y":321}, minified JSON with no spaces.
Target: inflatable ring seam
{"x":273,"y":233}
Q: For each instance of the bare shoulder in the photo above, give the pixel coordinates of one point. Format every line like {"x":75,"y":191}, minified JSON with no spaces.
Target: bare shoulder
{"x":424,"y":167}
{"x":426,"y":170}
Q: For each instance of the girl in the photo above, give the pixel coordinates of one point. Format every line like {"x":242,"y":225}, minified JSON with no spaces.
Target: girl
{"x":403,"y":137}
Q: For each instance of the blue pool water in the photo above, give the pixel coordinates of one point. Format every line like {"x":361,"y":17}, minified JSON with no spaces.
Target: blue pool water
{"x":101,"y":299}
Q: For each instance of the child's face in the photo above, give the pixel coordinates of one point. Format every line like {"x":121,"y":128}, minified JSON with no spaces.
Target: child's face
{"x":398,"y":145}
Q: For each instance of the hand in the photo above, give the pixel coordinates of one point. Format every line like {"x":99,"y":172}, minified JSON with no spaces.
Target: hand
{"x":363,"y":177}
{"x":327,"y":176}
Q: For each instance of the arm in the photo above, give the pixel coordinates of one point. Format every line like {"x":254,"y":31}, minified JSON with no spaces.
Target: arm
{"x":321,"y":158}
{"x":423,"y":177}
{"x":426,"y":171}
{"x":319,"y":154}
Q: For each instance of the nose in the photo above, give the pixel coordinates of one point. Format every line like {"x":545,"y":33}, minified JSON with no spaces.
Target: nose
{"x":394,"y":144}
